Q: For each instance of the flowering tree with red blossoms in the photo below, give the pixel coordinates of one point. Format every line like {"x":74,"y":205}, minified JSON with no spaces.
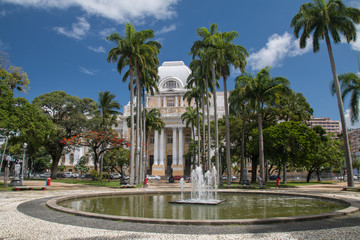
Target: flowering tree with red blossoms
{"x":98,"y":141}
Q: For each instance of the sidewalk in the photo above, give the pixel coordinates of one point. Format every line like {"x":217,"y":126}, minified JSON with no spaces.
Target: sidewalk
{"x":16,"y":225}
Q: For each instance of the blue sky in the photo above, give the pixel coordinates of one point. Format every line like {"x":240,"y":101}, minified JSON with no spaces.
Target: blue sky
{"x":62,"y":46}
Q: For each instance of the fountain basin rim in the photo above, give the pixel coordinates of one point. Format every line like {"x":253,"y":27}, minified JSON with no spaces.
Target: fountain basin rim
{"x":352,"y":207}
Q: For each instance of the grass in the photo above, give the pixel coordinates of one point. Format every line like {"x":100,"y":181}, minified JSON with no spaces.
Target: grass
{"x":104,"y":183}
{"x":2,"y":188}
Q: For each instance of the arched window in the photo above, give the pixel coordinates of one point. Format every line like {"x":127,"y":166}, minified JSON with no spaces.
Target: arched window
{"x":171,"y":84}
{"x":62,"y":159}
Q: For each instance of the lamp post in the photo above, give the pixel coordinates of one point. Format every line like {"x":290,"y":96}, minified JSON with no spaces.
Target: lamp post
{"x":23,"y":166}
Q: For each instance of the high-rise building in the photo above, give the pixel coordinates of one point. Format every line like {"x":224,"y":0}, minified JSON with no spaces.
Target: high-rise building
{"x":330,"y":126}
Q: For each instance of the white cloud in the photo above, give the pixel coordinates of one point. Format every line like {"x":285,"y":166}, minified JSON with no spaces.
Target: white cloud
{"x":120,"y":11}
{"x":166,"y":29}
{"x":348,"y":122}
{"x":78,"y":30}
{"x":356,"y":45}
{"x":99,"y":49}
{"x":275,"y":51}
{"x":87,"y":71}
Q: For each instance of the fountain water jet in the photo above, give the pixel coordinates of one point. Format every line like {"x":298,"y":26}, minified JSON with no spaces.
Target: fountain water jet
{"x":203,"y":188}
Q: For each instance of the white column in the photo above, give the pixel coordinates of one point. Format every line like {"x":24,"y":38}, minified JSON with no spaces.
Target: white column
{"x":164,"y":102}
{"x":174,"y":147}
{"x":162,"y":149}
{"x":159,"y":102}
{"x":181,"y":147}
{"x":156,"y":147}
{"x":176,"y":101}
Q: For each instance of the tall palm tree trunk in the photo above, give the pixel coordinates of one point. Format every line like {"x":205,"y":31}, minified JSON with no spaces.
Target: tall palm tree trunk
{"x":227,"y":138}
{"x":138,"y":129}
{"x":261,"y":147}
{"x":203,"y":129}
{"x":132,"y":136}
{"x":198,"y":133}
{"x":208,"y":121}
{"x":243,"y":175}
{"x":217,"y":163}
{"x":349,"y":168}
{"x":144,"y":137}
{"x":141,"y":145}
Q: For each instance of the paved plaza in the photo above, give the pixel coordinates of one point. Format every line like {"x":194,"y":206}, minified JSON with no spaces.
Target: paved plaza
{"x":23,"y":215}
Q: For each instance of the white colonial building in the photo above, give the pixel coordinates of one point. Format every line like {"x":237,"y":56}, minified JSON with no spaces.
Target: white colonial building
{"x":167,"y":147}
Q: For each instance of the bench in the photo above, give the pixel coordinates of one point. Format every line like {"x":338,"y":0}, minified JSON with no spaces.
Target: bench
{"x":18,"y":188}
{"x":351,"y":188}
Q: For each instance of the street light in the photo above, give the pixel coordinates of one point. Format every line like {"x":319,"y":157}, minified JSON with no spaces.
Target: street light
{"x":22,"y":166}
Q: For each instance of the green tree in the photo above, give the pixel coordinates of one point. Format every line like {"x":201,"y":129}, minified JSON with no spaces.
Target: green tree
{"x":327,"y":153}
{"x":190,"y":117}
{"x":81,"y":165}
{"x":117,"y":159}
{"x":227,"y":54}
{"x":133,"y":50}
{"x":294,"y":107}
{"x":321,"y":19}
{"x":350,"y":85}
{"x":262,"y":90}
{"x":205,"y":45}
{"x":69,"y":114}
{"x":289,"y":144}
{"x":195,"y":94}
{"x":108,"y":110}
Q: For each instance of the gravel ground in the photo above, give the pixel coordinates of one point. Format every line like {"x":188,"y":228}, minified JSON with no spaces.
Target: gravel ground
{"x":16,"y":225}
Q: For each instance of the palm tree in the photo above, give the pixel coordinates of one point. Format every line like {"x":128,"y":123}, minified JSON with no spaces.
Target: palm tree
{"x":321,"y":19}
{"x":350,"y":85}
{"x":135,"y":51}
{"x":200,"y":77}
{"x":225,"y":53}
{"x":107,"y":107}
{"x":260,"y":90}
{"x":205,"y":45}
{"x":190,"y":117}
{"x":195,"y":93}
{"x":238,"y":106}
{"x":294,"y":107}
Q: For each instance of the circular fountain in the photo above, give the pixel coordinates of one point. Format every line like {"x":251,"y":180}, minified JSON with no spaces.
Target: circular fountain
{"x":201,"y":205}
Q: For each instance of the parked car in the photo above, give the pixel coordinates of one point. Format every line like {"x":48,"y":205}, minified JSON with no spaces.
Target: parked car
{"x":224,"y":178}
{"x":68,"y":175}
{"x":45,"y":175}
{"x":153,"y":177}
{"x":273,"y":177}
{"x":177,"y":177}
{"x":115,"y":176}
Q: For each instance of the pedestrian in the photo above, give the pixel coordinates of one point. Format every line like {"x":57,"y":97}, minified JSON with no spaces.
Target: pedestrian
{"x":277,"y":182}
{"x":260,"y":182}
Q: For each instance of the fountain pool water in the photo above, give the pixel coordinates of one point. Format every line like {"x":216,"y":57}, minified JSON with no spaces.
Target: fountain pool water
{"x":237,"y":208}
{"x":203,"y":188}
